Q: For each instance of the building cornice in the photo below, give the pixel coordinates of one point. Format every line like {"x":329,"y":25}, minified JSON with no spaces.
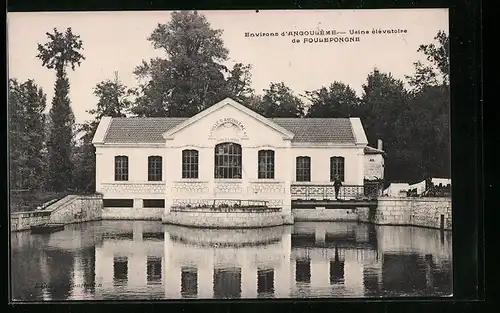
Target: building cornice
{"x":129,"y":145}
{"x":301,"y":145}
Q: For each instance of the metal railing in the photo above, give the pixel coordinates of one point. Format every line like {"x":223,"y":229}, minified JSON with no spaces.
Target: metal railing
{"x":433,"y":191}
{"x":227,"y":203}
{"x":327,"y":192}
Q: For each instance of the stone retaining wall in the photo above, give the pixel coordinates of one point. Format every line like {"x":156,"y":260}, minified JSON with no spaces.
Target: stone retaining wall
{"x":231,"y":219}
{"x":152,"y":214}
{"x":71,"y":209}
{"x":331,"y":215}
{"x":425,"y":212}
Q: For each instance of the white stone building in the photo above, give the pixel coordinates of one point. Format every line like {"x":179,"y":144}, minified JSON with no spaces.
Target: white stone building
{"x":146,"y":166}
{"x":374,"y":162}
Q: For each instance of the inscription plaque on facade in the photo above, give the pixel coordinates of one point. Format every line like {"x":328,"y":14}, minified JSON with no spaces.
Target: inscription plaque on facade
{"x":228,"y":129}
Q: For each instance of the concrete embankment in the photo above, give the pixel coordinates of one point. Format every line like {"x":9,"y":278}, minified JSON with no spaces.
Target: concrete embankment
{"x":70,"y":209}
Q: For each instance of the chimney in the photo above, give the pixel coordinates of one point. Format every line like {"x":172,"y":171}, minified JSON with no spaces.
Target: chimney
{"x":380,"y":144}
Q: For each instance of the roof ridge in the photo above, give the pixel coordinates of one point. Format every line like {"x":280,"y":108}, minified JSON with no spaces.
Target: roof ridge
{"x":313,"y":130}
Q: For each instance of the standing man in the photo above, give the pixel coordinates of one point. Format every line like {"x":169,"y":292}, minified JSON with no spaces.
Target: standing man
{"x":337,"y":184}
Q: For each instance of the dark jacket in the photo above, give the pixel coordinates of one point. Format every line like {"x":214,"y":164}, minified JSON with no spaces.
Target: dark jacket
{"x":337,"y":183}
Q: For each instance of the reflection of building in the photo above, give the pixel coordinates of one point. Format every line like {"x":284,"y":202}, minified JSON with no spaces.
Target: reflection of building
{"x":130,"y":259}
{"x":315,"y":259}
{"x":331,"y":258}
{"x":145,"y":165}
{"x":227,"y":263}
{"x":148,"y":260}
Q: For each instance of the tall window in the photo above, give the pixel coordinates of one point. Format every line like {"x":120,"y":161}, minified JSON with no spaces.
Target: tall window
{"x":154,"y":168}
{"x":120,"y":270}
{"x":153,"y":270}
{"x":227,"y":160}
{"x":121,"y":167}
{"x":189,"y":282}
{"x":189,"y":164}
{"x":337,"y":168}
{"x":266,"y":164}
{"x":303,"y":168}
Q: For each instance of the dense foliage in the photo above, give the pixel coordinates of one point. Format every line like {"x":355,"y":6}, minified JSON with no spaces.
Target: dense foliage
{"x":62,"y":50}
{"x":111,"y":95}
{"x":26,"y":108}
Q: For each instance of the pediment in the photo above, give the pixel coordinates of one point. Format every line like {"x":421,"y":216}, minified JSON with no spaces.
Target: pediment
{"x":229,"y":126}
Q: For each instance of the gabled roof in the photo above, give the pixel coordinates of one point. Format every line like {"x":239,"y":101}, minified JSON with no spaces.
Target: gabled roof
{"x":308,"y":130}
{"x":228,"y":102}
{"x":334,"y":130}
{"x":151,"y":129}
{"x":140,"y":129}
{"x":371,"y":150}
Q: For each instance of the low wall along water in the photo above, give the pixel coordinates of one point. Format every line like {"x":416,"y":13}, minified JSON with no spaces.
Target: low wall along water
{"x":233,"y":218}
{"x":424,"y":212}
{"x":321,"y":214}
{"x":71,"y":209}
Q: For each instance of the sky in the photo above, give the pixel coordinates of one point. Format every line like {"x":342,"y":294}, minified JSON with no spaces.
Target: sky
{"x":117,"y":42}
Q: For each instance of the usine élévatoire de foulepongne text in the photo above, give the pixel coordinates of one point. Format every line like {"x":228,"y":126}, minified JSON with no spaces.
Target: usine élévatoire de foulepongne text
{"x":325,"y":36}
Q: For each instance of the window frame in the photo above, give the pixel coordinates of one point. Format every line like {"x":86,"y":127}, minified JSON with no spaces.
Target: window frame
{"x":152,"y":175}
{"x":268,"y":157}
{"x":234,"y":154}
{"x":338,"y":168}
{"x":303,"y":173}
{"x":121,"y":168}
{"x":191,"y":169}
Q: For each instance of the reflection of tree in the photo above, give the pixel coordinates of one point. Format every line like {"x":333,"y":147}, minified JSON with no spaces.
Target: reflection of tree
{"x":88,"y":266}
{"x":26,"y":274}
{"x":60,"y":266}
{"x":403,"y":274}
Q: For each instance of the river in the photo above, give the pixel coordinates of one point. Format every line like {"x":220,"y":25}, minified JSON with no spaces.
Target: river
{"x":125,"y":260}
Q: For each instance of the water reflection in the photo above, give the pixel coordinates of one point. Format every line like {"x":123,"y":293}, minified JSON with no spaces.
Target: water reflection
{"x":147,"y":260}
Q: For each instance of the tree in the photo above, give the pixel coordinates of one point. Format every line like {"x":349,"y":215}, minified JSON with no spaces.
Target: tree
{"x":430,"y":107}
{"x":338,"y":100}
{"x":438,"y":70}
{"x":384,"y":101}
{"x":27,"y":103}
{"x":385,"y":114}
{"x":238,"y":83}
{"x":279,"y":101}
{"x":111,"y":102}
{"x":112,"y":99}
{"x":191,"y":77}
{"x":62,"y":50}
{"x":430,"y":121}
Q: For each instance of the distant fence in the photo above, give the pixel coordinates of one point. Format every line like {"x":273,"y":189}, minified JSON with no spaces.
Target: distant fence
{"x":431,"y":191}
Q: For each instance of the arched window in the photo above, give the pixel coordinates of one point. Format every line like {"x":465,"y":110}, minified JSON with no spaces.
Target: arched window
{"x":303,"y":168}
{"x":189,"y":163}
{"x":121,"y":168}
{"x":227,"y":160}
{"x":155,"y":168}
{"x":337,"y":168}
{"x":266,"y":164}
